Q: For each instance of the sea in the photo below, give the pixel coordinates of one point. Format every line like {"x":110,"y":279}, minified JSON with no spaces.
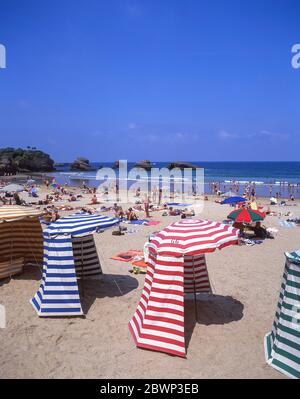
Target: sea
{"x":268,"y":178}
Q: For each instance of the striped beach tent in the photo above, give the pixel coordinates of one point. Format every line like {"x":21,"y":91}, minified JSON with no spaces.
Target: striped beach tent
{"x":21,"y":239}
{"x":176,"y":266}
{"x":282,"y":344}
{"x":69,"y":253}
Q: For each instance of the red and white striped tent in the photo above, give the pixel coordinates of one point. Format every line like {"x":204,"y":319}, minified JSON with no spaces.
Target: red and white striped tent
{"x":176,"y":266}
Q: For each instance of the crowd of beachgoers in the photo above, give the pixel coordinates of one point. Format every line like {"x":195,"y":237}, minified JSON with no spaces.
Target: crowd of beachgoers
{"x":245,"y":279}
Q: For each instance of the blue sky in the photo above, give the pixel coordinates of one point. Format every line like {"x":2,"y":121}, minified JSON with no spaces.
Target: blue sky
{"x":157,"y":79}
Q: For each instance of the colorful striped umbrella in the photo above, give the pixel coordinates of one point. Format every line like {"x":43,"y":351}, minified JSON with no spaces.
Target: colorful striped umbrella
{"x":245,"y":215}
{"x":192,"y":237}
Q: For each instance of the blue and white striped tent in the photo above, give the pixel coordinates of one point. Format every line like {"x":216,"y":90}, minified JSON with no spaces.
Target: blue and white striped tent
{"x":282,"y":344}
{"x":58,"y":294}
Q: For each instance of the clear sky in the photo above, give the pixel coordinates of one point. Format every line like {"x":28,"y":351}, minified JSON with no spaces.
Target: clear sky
{"x":156,"y":79}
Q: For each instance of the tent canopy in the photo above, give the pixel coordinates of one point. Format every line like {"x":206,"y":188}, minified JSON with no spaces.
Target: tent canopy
{"x":191,"y":237}
{"x":58,"y":294}
{"x":12,"y":188}
{"x":79,"y":224}
{"x":21,"y":238}
{"x":9,"y":213}
{"x":233,"y":200}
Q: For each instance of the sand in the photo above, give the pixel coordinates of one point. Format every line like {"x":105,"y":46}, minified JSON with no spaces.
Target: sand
{"x":227,"y":341}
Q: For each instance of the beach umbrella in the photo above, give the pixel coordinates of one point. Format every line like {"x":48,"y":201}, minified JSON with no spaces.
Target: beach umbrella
{"x":191,"y":237}
{"x":80,"y":224}
{"x":245,"y":215}
{"x":228,"y":194}
{"x":176,"y":266}
{"x":12,"y":188}
{"x":233,"y":200}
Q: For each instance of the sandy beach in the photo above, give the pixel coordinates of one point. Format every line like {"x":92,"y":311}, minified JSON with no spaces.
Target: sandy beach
{"x":227,"y":341}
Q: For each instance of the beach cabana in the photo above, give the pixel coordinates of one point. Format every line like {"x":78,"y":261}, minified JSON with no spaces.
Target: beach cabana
{"x":176,"y":266}
{"x":21,"y":239}
{"x":282,"y":344}
{"x":69,"y":254}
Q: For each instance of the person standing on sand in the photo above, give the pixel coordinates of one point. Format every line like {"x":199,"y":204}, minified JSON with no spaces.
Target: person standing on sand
{"x":146,"y":205}
{"x":154,"y":194}
{"x":159,"y":196}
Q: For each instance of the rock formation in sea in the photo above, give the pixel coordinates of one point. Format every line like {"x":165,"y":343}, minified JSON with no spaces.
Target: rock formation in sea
{"x":18,"y":160}
{"x":145,"y":164}
{"x":82,"y":164}
{"x":182,"y":165}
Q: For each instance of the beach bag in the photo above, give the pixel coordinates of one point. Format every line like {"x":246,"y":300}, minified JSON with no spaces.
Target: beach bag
{"x":117,"y":233}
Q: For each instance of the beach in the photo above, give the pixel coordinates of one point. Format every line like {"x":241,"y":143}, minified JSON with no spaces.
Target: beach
{"x":226,"y":342}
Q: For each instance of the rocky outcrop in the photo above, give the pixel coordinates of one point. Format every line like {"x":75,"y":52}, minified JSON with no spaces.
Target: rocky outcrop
{"x":17,"y":160}
{"x":182,"y":165}
{"x":81,"y":163}
{"x":145,"y":164}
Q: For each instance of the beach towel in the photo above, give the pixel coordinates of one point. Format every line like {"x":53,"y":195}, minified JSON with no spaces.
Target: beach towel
{"x":177,"y":204}
{"x":138,"y":221}
{"x":248,"y":241}
{"x":285,"y":223}
{"x":138,"y":266}
{"x":140,"y":263}
{"x":127,"y":256}
{"x":153,"y":222}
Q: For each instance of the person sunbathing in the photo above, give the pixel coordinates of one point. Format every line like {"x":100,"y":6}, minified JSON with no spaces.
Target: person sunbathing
{"x":55,"y":215}
{"x":71,"y":198}
{"x":4,"y":200}
{"x":91,"y":211}
{"x":118,"y":210}
{"x":174,"y":212}
{"x":187,"y":213}
{"x":94,"y":200}
{"x":18,"y":200}
{"x":131,"y":215}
